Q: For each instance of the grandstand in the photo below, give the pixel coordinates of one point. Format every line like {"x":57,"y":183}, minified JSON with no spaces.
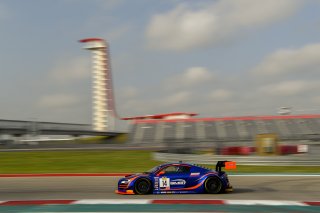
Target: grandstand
{"x":173,"y":127}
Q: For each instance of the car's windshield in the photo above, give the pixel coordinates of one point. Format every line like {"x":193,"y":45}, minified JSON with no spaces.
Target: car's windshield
{"x":153,"y":170}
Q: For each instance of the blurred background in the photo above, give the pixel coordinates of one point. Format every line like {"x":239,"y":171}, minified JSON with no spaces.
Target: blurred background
{"x":93,"y":90}
{"x":199,"y":78}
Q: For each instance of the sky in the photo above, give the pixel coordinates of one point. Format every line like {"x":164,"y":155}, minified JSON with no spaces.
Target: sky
{"x":216,"y":58}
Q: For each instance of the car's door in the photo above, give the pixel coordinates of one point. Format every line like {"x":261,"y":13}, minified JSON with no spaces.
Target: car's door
{"x":173,"y":177}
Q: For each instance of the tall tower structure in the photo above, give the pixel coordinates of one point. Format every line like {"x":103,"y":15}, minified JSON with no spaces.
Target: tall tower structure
{"x":104,"y":113}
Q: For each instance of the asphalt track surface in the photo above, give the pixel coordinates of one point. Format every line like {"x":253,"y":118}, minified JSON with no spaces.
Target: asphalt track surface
{"x":295,"y":188}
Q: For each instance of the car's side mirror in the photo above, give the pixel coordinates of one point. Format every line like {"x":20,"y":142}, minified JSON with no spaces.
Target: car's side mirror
{"x":160,"y":173}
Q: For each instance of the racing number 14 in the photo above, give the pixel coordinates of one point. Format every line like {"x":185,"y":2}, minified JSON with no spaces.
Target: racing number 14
{"x":164,"y":183}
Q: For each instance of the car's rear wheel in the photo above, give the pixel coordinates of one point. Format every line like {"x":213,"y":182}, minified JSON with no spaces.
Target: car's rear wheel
{"x":142,"y":186}
{"x":213,"y":185}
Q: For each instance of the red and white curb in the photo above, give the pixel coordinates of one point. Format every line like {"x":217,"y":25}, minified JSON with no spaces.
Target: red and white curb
{"x":159,"y":201}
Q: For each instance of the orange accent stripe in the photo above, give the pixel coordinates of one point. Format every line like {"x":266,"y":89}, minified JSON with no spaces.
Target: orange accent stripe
{"x":189,"y":188}
{"x":131,"y":179}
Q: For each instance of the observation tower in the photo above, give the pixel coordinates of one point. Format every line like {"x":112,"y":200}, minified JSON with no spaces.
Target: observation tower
{"x":104,"y":113}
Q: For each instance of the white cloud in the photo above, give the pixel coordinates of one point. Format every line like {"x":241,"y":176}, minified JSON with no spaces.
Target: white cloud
{"x":177,"y":101}
{"x":289,"y":61}
{"x":180,"y":29}
{"x":191,"y":77}
{"x":58,"y":101}
{"x":220,"y":95}
{"x":243,"y":98}
{"x":71,"y":70}
{"x":289,"y":88}
{"x":185,"y":28}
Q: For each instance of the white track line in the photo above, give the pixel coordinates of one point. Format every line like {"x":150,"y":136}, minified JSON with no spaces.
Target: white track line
{"x":113,"y":201}
{"x":265,"y":202}
{"x":226,"y":202}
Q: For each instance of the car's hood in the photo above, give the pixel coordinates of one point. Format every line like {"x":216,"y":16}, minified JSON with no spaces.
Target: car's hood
{"x":136,"y":175}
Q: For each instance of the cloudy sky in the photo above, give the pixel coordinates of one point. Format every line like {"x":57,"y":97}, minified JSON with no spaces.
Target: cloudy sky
{"x":216,"y":58}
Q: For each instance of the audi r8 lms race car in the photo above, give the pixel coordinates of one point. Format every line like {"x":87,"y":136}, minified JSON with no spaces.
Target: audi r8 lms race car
{"x":178,"y":178}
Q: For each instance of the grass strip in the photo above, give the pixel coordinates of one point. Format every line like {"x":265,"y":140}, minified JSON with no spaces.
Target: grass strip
{"x":107,"y":161}
{"x":75,"y":161}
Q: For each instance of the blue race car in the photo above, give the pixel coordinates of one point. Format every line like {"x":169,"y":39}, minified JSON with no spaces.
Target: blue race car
{"x":178,"y":178}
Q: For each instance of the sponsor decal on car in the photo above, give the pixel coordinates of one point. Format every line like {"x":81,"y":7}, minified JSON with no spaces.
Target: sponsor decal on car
{"x":156,"y":182}
{"x":195,"y":174}
{"x":177,"y":182}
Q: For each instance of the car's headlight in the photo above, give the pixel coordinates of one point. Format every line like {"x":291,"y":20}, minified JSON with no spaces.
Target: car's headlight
{"x":124,"y":181}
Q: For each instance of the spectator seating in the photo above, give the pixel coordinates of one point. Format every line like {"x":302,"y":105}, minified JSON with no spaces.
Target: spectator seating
{"x":226,"y":129}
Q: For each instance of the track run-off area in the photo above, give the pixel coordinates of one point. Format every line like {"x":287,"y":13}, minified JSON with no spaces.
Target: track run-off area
{"x":251,"y":192}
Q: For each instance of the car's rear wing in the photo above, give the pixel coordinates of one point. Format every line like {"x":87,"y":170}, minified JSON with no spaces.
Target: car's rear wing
{"x":227,"y":164}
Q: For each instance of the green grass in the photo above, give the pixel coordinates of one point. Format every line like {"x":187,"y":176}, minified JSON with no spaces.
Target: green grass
{"x":75,"y":161}
{"x":106,"y":161}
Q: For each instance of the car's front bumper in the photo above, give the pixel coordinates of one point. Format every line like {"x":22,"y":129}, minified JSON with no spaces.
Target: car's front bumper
{"x":125,"y":192}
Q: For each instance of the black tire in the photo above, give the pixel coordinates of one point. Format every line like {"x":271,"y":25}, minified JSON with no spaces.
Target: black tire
{"x":213,"y":185}
{"x":142,"y":186}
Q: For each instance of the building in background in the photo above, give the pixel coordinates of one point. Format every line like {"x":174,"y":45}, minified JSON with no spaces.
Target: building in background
{"x":104,"y":113}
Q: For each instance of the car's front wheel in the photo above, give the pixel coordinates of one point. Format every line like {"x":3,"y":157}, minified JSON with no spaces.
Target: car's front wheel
{"x":213,"y":185}
{"x":142,"y":186}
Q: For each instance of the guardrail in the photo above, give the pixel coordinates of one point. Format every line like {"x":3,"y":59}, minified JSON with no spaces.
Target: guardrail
{"x":296,"y":160}
{"x":19,"y":128}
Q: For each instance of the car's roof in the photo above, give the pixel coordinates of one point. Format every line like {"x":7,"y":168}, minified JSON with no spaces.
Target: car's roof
{"x":176,"y":164}
{"x":184,"y":164}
